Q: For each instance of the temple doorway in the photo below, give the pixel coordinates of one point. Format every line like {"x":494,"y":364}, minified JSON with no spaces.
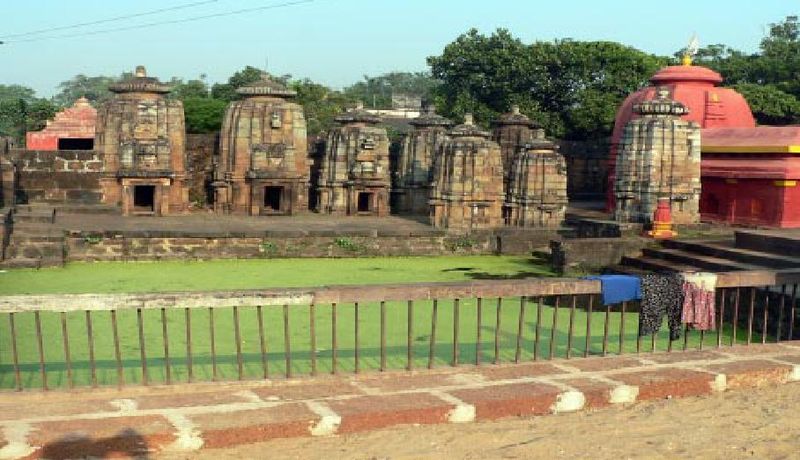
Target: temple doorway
{"x":272,"y":198}
{"x":69,"y":143}
{"x":365,"y":202}
{"x":144,"y":199}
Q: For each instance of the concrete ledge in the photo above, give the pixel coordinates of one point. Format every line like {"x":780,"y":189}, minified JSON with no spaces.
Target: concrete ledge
{"x":140,"y":421}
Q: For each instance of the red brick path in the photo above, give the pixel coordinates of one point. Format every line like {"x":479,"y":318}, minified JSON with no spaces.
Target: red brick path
{"x":141,"y":420}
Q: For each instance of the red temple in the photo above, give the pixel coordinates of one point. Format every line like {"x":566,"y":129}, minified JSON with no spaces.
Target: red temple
{"x":749,"y":174}
{"x":72,"y":129}
{"x":694,"y":86}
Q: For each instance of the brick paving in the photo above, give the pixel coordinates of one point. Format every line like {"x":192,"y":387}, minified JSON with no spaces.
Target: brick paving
{"x":184,"y":418}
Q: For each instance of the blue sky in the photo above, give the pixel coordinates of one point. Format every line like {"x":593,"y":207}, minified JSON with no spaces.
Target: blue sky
{"x":338,"y":41}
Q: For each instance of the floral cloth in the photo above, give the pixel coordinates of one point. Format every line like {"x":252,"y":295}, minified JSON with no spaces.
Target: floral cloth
{"x":699,"y":309}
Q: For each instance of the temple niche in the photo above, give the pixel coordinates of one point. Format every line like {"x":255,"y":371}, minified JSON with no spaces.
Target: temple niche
{"x":467,"y":187}
{"x":537,"y":188}
{"x":262,"y":167}
{"x":141,"y":135}
{"x":418,"y":153}
{"x":659,"y":157}
{"x":354,"y":176}
{"x":513,"y":130}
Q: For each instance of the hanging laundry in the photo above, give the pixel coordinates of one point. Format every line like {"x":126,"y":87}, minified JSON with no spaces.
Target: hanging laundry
{"x":618,"y":288}
{"x":699,"y":308}
{"x":662,"y":295}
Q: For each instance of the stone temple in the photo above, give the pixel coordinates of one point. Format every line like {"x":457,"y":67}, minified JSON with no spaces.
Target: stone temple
{"x":467,"y":187}
{"x":659,"y":157}
{"x":513,"y":130}
{"x":354,"y":176}
{"x":537,"y":187}
{"x":141,"y":136}
{"x":262,"y":164}
{"x":419,"y":151}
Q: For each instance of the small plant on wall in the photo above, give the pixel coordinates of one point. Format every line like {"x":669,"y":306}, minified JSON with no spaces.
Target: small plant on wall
{"x":347,"y":244}
{"x":267,"y":247}
{"x":462,"y":243}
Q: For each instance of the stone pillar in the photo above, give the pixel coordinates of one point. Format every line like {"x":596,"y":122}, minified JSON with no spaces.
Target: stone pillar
{"x":659,"y":156}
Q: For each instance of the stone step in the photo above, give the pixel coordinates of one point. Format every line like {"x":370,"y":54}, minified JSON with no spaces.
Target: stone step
{"x":620,"y":269}
{"x":727,"y":250}
{"x":768,"y":241}
{"x":699,"y":261}
{"x":36,"y":229}
{"x":24,"y":238}
{"x":72,"y":208}
{"x":37,"y":216}
{"x":35,"y":250}
{"x":648,"y":264}
{"x":28,"y":262}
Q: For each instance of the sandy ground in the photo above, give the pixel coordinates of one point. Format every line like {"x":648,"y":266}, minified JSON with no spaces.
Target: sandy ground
{"x":757,"y":424}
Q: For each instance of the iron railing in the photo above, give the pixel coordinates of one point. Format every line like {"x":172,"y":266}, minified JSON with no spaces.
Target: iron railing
{"x":117,"y":339}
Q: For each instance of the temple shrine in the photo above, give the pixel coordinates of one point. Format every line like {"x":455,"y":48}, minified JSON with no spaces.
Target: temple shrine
{"x":419,"y":151}
{"x":467,"y":187}
{"x":658,"y":159}
{"x":512,"y":131}
{"x":749,"y":173}
{"x":262,"y":166}
{"x":537,"y":187}
{"x":141,"y":136}
{"x":354,"y":174}
{"x":71,"y":129}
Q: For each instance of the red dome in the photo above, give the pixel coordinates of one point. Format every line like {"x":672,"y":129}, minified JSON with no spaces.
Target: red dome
{"x":695,"y":87}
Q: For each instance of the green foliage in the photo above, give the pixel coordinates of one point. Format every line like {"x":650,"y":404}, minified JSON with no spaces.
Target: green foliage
{"x":21,"y":111}
{"x":320,"y":103}
{"x":227,"y":91}
{"x":572,"y":87}
{"x":191,"y":89}
{"x":95,"y":89}
{"x":462,"y":243}
{"x":347,"y":244}
{"x":376,"y":92}
{"x":770,"y":105}
{"x":203,"y":115}
{"x":267,"y":247}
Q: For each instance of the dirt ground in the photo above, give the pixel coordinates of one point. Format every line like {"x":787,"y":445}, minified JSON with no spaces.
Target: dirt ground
{"x":758,"y":424}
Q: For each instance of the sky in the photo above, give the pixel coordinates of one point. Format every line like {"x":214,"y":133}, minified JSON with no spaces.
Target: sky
{"x":337,"y":42}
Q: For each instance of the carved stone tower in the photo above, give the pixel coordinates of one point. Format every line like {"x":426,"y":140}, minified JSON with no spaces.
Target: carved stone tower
{"x":419,"y":151}
{"x":512,"y":131}
{"x":659,"y":157}
{"x":467,"y":188}
{"x":142,"y":138}
{"x":262,"y":167}
{"x":537,"y":188}
{"x":354,"y":176}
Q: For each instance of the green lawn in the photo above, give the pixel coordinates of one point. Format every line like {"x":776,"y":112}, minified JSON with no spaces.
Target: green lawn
{"x":170,"y":276}
{"x":261,"y":273}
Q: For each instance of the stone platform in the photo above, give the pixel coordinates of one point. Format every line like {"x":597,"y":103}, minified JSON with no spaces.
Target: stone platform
{"x":183,"y":418}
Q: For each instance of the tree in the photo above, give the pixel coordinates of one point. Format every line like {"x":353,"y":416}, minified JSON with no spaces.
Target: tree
{"x":572,"y":87}
{"x":770,"y":105}
{"x":203,"y":114}
{"x":377,"y":91}
{"x":320,"y":104}
{"x":227,"y":91}
{"x":191,"y":89}
{"x":22,"y":111}
{"x":95,"y":89}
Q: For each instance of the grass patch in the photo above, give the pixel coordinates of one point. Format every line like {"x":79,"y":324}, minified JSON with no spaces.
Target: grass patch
{"x":104,"y":277}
